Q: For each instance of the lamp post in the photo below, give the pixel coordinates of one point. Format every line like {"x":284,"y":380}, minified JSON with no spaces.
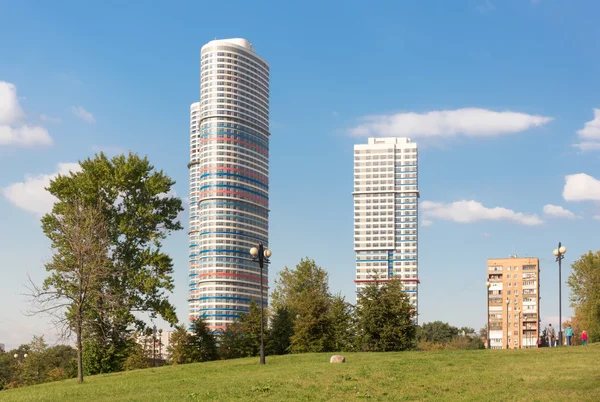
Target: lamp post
{"x":507,"y":330}
{"x":261,"y":256}
{"x":520,"y":338}
{"x":19,"y":357}
{"x":487,"y":312}
{"x":559,"y":253}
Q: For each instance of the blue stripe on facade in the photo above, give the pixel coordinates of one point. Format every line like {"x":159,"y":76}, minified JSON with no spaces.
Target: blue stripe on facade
{"x":240,"y":148}
{"x":248,"y":299}
{"x":248,"y":138}
{"x":235,"y":175}
{"x":236,"y":187}
{"x":210,"y":127}
{"x":262,"y":239}
{"x":238,"y":204}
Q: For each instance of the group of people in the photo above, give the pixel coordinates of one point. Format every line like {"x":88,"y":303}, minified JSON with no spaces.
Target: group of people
{"x":569,"y":334}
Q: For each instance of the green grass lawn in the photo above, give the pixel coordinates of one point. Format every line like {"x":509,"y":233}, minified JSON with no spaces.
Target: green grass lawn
{"x":529,"y":375}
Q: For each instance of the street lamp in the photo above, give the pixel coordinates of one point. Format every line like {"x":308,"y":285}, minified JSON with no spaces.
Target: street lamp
{"x":520,"y":338}
{"x":559,"y":253}
{"x":20,"y":358}
{"x":261,"y":256}
{"x":487,"y":296}
{"x":507,"y":333}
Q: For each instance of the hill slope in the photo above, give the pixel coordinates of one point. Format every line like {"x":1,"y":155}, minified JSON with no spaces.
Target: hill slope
{"x":535,"y":374}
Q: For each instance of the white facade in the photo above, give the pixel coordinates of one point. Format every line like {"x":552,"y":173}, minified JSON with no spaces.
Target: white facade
{"x":229,"y":179}
{"x":386,"y":213}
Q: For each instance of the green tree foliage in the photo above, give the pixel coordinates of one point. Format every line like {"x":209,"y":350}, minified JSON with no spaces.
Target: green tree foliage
{"x":242,"y":337}
{"x":437,"y":331}
{"x":385,"y":318}
{"x":438,"y":335}
{"x":233,"y":342}
{"x":9,"y":370}
{"x":78,"y":270}
{"x":280,"y":332}
{"x":341,"y":324}
{"x":138,"y":358}
{"x":140,"y":214}
{"x":181,"y":349}
{"x":203,"y":342}
{"x":37,"y":363}
{"x":304,"y":291}
{"x":585,"y":293}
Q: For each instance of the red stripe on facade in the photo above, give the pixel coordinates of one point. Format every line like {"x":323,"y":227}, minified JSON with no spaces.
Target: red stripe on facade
{"x":246,"y":143}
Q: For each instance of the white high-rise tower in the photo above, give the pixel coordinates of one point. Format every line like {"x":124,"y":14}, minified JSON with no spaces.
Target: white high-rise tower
{"x":229,"y":181}
{"x":385,"y":213}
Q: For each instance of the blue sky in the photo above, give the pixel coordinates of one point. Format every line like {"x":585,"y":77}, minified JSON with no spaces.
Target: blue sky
{"x":78,"y":77}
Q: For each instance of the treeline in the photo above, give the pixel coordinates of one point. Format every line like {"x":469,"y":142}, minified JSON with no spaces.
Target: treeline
{"x":36,"y":363}
{"x":305,"y":317}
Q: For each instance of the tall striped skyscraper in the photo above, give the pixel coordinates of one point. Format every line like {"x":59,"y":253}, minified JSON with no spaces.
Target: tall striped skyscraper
{"x":229,"y":181}
{"x":386,"y":197}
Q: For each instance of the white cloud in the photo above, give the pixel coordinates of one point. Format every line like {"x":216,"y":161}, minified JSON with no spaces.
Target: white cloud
{"x":13,"y":131}
{"x":588,"y":146}
{"x":590,"y":131}
{"x":31,"y":194}
{"x":426,"y":222}
{"x":471,"y":122}
{"x":10,"y":109}
{"x":24,"y":136}
{"x":581,"y":187}
{"x":83,"y":114}
{"x":486,"y":234}
{"x":597,"y":217}
{"x":472,"y":211}
{"x":557,"y":211}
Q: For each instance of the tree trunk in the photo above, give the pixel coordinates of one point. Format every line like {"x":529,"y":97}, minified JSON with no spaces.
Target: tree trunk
{"x":79,"y":357}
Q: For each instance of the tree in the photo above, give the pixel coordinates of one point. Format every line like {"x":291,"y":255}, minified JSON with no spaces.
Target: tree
{"x":138,"y":358}
{"x":78,"y":270}
{"x":438,"y":331}
{"x":341,"y":324}
{"x":384,"y":317}
{"x":203,"y":341}
{"x":139,"y":212}
{"x":232,"y":342}
{"x":483,"y":333}
{"x":281,"y":332}
{"x":304,"y":291}
{"x":585,"y":293}
{"x":181,"y":349}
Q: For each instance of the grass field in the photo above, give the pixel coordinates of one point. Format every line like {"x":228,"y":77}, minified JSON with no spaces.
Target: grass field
{"x":514,"y":375}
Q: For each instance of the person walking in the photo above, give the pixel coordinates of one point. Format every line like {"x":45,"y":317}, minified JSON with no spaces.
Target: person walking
{"x":569,"y":334}
{"x":584,"y":338}
{"x":550,"y":335}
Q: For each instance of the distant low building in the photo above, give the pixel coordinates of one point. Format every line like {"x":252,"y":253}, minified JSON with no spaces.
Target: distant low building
{"x":159,"y":340}
{"x":2,"y":348}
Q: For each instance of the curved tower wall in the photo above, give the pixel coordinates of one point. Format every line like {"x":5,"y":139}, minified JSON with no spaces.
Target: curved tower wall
{"x":229,"y":182}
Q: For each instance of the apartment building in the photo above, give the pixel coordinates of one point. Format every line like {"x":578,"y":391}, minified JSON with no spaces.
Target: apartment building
{"x":229,"y":182}
{"x":386,"y":213}
{"x":513,"y":289}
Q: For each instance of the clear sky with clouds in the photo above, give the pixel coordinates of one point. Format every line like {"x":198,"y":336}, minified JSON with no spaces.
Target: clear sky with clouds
{"x":503,"y":98}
